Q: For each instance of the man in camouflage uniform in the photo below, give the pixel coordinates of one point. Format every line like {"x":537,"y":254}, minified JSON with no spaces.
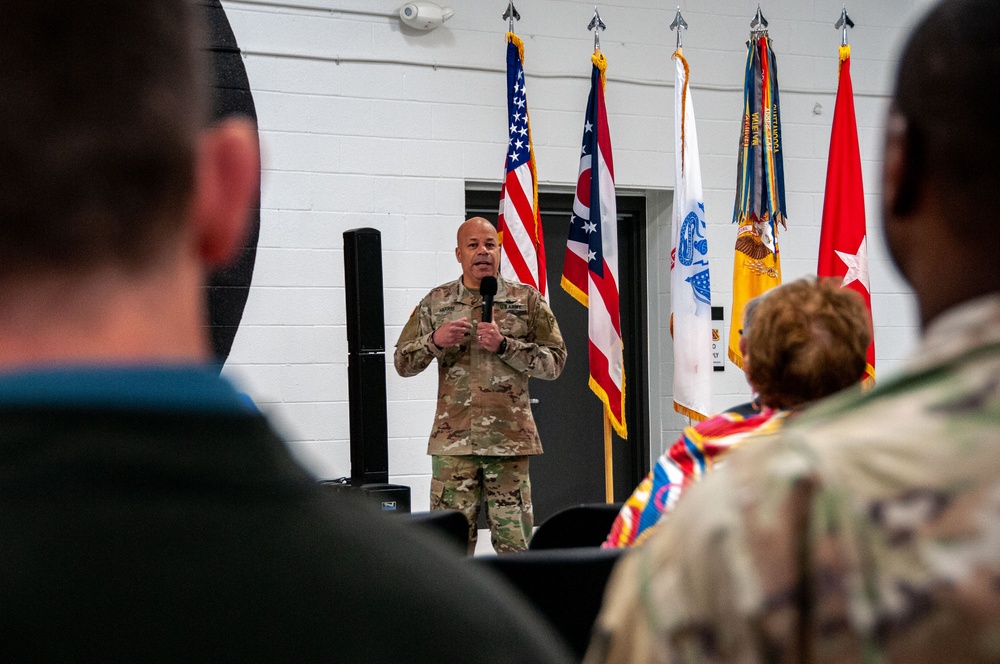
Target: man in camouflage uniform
{"x":867,"y":529}
{"x":483,"y":430}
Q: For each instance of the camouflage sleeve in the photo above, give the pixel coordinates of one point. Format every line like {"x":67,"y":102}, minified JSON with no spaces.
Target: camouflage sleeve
{"x":415,"y":348}
{"x":679,"y":596}
{"x":721,"y":579}
{"x":543,"y":353}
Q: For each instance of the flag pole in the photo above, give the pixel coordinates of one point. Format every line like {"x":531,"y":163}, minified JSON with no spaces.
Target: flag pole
{"x":843,"y":24}
{"x":519,"y":223}
{"x":677,"y":25}
{"x":690,"y":282}
{"x":759,"y":207}
{"x":511,"y":15}
{"x":596,"y":24}
{"x":843,"y":243}
{"x":758,"y":24}
{"x":609,"y":475}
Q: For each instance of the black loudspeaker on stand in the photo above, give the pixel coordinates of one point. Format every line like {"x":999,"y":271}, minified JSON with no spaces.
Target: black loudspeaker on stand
{"x":366,"y":371}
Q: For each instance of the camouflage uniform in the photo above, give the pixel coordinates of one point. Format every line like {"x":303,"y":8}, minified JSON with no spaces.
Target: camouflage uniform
{"x":483,"y":414}
{"x":866,"y":530}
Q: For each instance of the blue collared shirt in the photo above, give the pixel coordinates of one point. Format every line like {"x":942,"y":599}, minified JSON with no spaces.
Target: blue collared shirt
{"x":196,"y":388}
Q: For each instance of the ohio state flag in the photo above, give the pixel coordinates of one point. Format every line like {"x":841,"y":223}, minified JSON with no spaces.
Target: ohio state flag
{"x":590,"y":269}
{"x":843,"y":244}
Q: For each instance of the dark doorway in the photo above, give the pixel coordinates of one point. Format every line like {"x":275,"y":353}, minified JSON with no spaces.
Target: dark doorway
{"x":568,"y":415}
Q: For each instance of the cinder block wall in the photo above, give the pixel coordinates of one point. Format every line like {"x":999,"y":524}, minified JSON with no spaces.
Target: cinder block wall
{"x":364,"y":122}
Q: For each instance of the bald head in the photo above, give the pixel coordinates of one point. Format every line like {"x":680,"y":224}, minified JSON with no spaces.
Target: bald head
{"x":472,"y":225}
{"x":478,"y":250}
{"x":947,"y":101}
{"x":940,"y":167}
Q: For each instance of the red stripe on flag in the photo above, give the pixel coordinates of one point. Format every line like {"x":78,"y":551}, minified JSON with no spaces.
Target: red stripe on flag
{"x":600,"y":373}
{"x":608,"y":291}
{"x":575,"y":272}
{"x":519,"y":198}
{"x":522,"y":206}
{"x":603,"y":134}
{"x":514,"y":256}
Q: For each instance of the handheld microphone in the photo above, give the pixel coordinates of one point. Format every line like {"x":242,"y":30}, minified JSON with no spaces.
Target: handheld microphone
{"x":488,"y":288}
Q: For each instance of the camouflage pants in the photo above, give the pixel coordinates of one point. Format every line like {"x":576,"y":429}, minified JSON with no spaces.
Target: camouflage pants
{"x":460,"y":483}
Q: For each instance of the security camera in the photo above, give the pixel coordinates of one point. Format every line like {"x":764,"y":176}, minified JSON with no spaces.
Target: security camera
{"x":424,"y":15}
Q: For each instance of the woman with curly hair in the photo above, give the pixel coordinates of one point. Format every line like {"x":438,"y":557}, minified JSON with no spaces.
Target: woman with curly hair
{"x":800,"y":342}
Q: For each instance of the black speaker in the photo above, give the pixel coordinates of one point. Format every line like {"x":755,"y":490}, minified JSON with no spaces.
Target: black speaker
{"x":369,"y":432}
{"x":363,"y":281}
{"x":366,"y":356}
{"x":388,"y":497}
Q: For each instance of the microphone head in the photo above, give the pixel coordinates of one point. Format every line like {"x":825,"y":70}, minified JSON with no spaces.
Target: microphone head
{"x":488,"y":286}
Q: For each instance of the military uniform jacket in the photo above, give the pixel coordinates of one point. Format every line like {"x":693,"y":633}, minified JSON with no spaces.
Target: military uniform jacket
{"x":483,"y":405}
{"x":866,"y":530}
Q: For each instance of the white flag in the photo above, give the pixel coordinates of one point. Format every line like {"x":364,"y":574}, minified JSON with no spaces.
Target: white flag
{"x":690,"y":287}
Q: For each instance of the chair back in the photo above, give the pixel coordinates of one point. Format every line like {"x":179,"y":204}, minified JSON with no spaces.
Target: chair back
{"x":447,"y":524}
{"x":581,"y":525}
{"x":565,"y":585}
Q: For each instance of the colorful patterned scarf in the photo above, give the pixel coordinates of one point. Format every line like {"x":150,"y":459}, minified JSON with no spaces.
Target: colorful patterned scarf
{"x":694,"y":454}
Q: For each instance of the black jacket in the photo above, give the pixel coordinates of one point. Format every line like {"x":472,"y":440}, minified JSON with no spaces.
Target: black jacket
{"x":142,"y":535}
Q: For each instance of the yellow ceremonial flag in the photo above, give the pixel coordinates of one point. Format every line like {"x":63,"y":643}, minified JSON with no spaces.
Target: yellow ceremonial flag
{"x":760,"y":188}
{"x":756,"y":270}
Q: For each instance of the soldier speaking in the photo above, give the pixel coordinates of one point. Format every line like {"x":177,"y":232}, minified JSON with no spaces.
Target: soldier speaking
{"x":483,"y":433}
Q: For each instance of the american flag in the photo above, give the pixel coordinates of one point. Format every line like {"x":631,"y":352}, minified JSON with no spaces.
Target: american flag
{"x":590,"y":272}
{"x":523,"y":248}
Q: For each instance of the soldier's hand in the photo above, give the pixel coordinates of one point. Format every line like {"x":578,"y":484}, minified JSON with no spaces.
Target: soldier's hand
{"x":488,"y":336}
{"x":451,"y":333}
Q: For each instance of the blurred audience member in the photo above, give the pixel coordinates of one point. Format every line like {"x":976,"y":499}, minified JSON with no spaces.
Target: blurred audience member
{"x":801,"y":342}
{"x":148,"y":513}
{"x":866,"y":529}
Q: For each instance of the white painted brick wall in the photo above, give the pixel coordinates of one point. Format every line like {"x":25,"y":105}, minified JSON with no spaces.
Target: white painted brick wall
{"x":359,"y":129}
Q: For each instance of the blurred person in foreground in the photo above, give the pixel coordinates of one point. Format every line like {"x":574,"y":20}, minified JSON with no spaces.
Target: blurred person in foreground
{"x":868,"y":529}
{"x":800,"y":342}
{"x":147,"y":513}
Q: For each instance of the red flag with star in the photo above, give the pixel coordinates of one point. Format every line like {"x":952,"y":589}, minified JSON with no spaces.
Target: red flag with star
{"x":843,"y":244}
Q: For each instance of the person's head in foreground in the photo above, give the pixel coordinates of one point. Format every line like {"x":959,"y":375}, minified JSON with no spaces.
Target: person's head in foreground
{"x":146,"y":513}
{"x":866,"y":528}
{"x":117,"y":196}
{"x":939,"y":178}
